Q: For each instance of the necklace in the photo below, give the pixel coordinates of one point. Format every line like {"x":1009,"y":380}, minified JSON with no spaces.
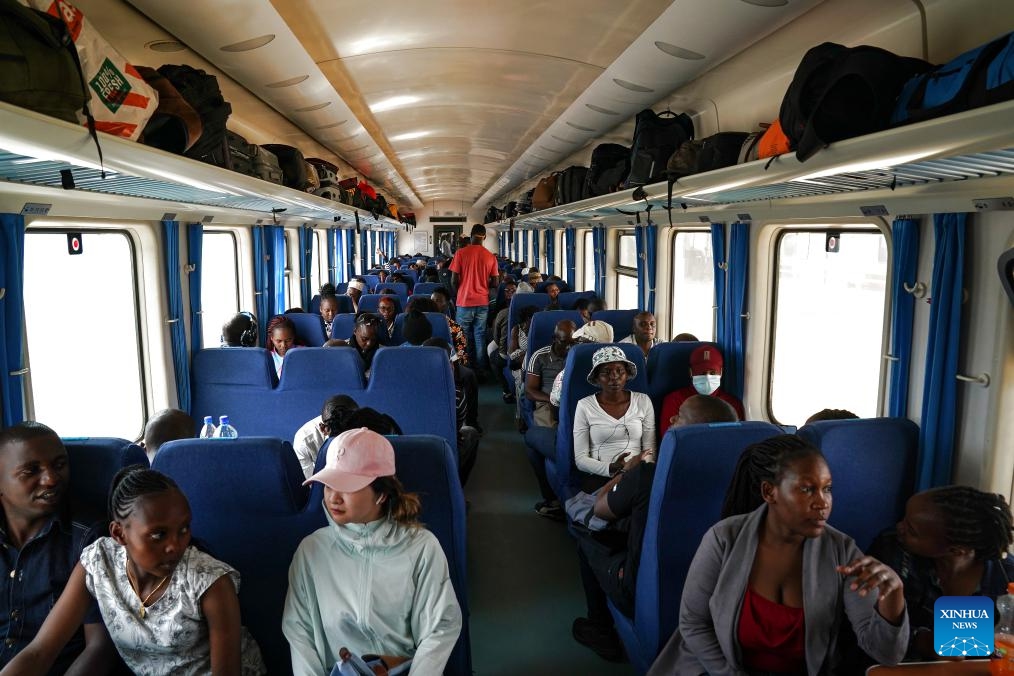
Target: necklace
{"x":136,"y":588}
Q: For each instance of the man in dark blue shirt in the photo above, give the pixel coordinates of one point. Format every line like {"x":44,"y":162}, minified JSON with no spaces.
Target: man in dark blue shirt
{"x":39,"y":547}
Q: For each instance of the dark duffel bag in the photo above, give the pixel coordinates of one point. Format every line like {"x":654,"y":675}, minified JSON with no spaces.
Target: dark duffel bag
{"x":610,"y":164}
{"x":842,"y":92}
{"x":570,"y":185}
{"x":656,"y":138}
{"x":201,"y":91}
{"x":266,"y":166}
{"x":714,"y":152}
{"x":293,"y":164}
{"x":492,"y":215}
{"x":978,"y":77}
{"x":525,"y":203}
{"x":40,"y":70}
{"x":511,"y":210}
{"x":544,"y":196}
{"x":175,"y":126}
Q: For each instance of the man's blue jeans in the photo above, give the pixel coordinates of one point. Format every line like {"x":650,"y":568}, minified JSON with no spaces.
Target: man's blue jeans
{"x":473,"y":322}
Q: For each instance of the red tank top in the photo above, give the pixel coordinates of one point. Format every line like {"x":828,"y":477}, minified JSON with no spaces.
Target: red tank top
{"x":771,"y":636}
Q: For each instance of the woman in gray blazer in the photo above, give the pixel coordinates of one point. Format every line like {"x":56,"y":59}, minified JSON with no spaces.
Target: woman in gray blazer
{"x":742,"y":611}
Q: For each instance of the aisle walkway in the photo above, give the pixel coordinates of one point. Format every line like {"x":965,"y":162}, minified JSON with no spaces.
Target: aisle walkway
{"x":524,"y":587}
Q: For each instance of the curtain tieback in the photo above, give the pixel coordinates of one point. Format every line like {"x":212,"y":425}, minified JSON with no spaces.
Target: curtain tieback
{"x":891,"y":357}
{"x":172,"y":321}
{"x":19,"y":372}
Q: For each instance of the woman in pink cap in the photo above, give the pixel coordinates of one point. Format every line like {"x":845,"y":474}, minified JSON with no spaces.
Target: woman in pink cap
{"x":373,"y":580}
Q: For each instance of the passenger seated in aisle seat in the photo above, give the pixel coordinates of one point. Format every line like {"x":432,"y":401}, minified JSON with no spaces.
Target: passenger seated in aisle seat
{"x":166,"y":425}
{"x":595,"y":331}
{"x":542,"y":370}
{"x":169,"y":607}
{"x":446,"y":276}
{"x":388,"y":311}
{"x":442,"y":297}
{"x":458,"y":336}
{"x":399,"y":602}
{"x":831,"y":414}
{"x":530,"y":281}
{"x":466,"y":400}
{"x":644,"y":332}
{"x":684,"y":338}
{"x":498,"y":357}
{"x":416,"y":328}
{"x":328,"y":310}
{"x":355,"y":291}
{"x":371,"y":419}
{"x":42,"y":542}
{"x":310,"y":437}
{"x":282,"y":337}
{"x":553,"y":291}
{"x":706,"y":371}
{"x":952,"y":541}
{"x":587,"y":307}
{"x":754,"y":572}
{"x":519,"y":345}
{"x":609,"y":558}
{"x":613,"y":425}
{"x":402,"y":278}
{"x":363,"y":340}
{"x":240,"y":331}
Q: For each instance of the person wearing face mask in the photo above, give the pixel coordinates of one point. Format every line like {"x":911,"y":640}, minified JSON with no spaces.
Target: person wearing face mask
{"x":706,"y":372}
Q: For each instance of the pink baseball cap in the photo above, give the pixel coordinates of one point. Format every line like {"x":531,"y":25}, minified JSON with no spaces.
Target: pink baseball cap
{"x":354,"y":459}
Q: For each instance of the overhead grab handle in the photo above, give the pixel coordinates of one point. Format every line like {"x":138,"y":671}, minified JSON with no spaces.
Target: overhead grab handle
{"x":982,"y":379}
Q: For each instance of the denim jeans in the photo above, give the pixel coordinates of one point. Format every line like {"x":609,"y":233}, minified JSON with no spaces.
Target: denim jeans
{"x":473,"y":322}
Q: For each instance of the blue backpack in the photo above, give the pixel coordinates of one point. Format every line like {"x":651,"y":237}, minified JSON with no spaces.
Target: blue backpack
{"x":978,"y":77}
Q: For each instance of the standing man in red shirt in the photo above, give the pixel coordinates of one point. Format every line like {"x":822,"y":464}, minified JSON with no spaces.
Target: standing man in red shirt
{"x":474,"y":273}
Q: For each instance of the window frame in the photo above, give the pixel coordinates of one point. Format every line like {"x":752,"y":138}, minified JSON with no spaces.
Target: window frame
{"x":870,"y":228}
{"x":235,"y":249}
{"x":625,"y":270}
{"x":587,"y":244}
{"x":672,"y":281}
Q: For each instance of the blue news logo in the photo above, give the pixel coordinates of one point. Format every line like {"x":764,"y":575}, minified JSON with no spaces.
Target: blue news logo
{"x":963,"y":626}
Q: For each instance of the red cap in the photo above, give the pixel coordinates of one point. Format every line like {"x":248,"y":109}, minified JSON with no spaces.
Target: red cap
{"x":705,"y":358}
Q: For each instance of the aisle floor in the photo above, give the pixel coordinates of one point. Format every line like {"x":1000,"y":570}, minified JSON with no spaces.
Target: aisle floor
{"x":524,"y":586}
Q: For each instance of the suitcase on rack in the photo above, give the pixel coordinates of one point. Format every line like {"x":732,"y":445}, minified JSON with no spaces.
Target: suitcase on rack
{"x":235,"y":154}
{"x":293,"y":165}
{"x":327,"y":173}
{"x":266,"y":166}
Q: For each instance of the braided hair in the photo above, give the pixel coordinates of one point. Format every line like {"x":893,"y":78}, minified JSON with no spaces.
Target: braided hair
{"x":975,"y":519}
{"x":764,"y":461}
{"x":133,"y":483}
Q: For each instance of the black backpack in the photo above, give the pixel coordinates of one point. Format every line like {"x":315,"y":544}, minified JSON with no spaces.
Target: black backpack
{"x":570,"y":185}
{"x":656,"y":138}
{"x":293,"y":164}
{"x":525,"y":203}
{"x":842,"y":92}
{"x":978,"y":77}
{"x":610,"y":164}
{"x":201,"y":91}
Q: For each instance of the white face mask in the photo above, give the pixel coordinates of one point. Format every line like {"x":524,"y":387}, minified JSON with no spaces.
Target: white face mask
{"x":707,"y":384}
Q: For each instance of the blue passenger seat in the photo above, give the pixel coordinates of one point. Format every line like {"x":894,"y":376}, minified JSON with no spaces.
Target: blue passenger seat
{"x":231,"y":381}
{"x":400,"y":288}
{"x":369,"y":302}
{"x":668,"y":371}
{"x":371,"y":281}
{"x":309,"y":328}
{"x":872,"y":462}
{"x":540,"y":335}
{"x":248,"y":505}
{"x":567,"y":299}
{"x":622,"y":322}
{"x":437,"y":320}
{"x":695,"y":465}
{"x":94,"y":461}
{"x":425,"y":288}
{"x":343,"y":325}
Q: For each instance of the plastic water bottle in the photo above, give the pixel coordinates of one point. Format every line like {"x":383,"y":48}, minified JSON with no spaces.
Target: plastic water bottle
{"x":225,"y":430}
{"x":1003,"y":638}
{"x":209,"y":430}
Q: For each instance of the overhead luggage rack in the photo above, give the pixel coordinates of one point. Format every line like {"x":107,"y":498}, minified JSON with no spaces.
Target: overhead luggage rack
{"x":35,"y":149}
{"x":971,"y":145}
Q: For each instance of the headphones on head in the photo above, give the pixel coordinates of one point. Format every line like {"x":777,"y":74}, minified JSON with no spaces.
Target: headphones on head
{"x":249,"y":337}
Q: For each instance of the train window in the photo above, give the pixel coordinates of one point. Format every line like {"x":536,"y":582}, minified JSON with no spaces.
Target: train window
{"x":560,"y":253}
{"x":317,"y":262}
{"x":102,"y":282}
{"x":287,"y":258}
{"x":828,"y":324}
{"x":693,"y":285}
{"x":589,"y":261}
{"x":219,"y":284}
{"x":627,"y":289}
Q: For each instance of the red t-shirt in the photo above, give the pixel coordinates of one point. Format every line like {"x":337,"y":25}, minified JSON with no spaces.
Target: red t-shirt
{"x":474,"y":265}
{"x":672,"y":402}
{"x":772,"y":636}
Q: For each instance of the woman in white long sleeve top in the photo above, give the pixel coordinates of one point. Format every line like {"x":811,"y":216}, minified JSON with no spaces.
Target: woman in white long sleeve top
{"x":613,"y":425}
{"x":373,"y":580}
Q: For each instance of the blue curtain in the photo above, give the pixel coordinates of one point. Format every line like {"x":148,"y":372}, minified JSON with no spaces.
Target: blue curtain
{"x":172,"y":271}
{"x":332,"y":275}
{"x":551,"y":252}
{"x":570,"y":256}
{"x":12,"y":308}
{"x":524,"y":249}
{"x":364,"y":253}
{"x":599,"y":239}
{"x":516,"y":247}
{"x":734,"y":346}
{"x":502,"y":241}
{"x":905,"y":236}
{"x":305,"y":263}
{"x":536,"y":250}
{"x":651,"y":249}
{"x":938,"y":427}
{"x":260,"y":267}
{"x":640,"y":243}
{"x":718,"y":258}
{"x":195,"y":257}
{"x":350,"y":252}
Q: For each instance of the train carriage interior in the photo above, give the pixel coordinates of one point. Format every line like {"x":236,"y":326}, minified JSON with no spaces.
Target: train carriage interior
{"x":838,"y":228}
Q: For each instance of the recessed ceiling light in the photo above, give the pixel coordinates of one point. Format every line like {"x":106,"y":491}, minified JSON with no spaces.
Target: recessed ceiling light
{"x":599,"y":109}
{"x":332,"y":125}
{"x":767,"y":3}
{"x":166,"y":46}
{"x":678,"y":52}
{"x":394,"y":102}
{"x":310,"y":109}
{"x":631,"y":86}
{"x":577,"y":126}
{"x":560,"y":138}
{"x":288,"y":83}
{"x":247,"y":45}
